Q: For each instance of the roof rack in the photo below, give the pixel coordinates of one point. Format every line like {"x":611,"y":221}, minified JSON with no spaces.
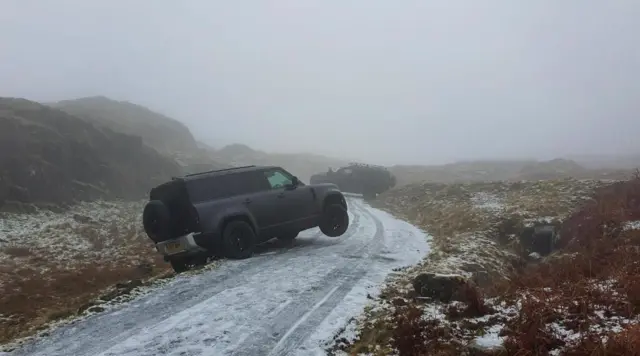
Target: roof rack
{"x":218,"y":170}
{"x":357,"y":164}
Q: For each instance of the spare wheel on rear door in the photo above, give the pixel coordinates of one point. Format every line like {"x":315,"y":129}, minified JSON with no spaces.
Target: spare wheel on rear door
{"x":156,"y":220}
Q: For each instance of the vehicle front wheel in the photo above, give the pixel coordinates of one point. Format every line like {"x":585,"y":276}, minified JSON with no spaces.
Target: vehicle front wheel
{"x":238,"y":239}
{"x":334,"y":221}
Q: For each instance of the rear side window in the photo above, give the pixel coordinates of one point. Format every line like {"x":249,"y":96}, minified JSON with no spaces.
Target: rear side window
{"x":200,"y":190}
{"x":226,"y":186}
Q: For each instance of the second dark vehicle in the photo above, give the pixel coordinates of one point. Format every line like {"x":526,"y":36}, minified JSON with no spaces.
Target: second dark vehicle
{"x":228,"y":212}
{"x":366,"y":179}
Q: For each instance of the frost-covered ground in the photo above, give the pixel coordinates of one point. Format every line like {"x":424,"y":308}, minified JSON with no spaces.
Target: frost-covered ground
{"x":97,"y":231}
{"x":632,"y":225}
{"x":283,"y":301}
{"x":51,"y":263}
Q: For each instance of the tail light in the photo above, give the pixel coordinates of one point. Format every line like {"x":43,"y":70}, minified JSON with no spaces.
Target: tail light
{"x":194,"y":218}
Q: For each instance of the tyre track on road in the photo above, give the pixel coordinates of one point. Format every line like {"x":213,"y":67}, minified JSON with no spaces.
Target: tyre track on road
{"x":294,"y":324}
{"x":239,"y":340}
{"x":184,"y":292}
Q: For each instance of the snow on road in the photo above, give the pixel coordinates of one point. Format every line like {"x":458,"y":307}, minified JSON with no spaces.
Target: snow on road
{"x":287,"y":301}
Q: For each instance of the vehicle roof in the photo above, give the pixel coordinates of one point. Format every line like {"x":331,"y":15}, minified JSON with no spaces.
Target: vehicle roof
{"x":226,"y":171}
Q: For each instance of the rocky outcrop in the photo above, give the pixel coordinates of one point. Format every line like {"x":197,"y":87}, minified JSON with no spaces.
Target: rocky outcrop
{"x":539,"y":239}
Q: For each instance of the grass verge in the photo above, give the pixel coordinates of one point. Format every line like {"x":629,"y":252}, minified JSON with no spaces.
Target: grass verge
{"x":56,"y":265}
{"x":582,"y":300}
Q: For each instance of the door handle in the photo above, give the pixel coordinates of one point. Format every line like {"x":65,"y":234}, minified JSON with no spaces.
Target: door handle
{"x":281,"y":195}
{"x":247,"y":201}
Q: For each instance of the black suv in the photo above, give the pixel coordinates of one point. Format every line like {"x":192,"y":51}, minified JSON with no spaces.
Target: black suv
{"x":228,"y":212}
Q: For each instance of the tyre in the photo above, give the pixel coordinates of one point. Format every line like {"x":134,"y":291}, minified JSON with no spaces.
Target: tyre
{"x":199,"y":260}
{"x":334,"y":221}
{"x":179,"y":265}
{"x":288,"y":237}
{"x":238,"y":239}
{"x":155,"y":220}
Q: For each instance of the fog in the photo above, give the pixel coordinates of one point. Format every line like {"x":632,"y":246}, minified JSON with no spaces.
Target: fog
{"x":384,"y":81}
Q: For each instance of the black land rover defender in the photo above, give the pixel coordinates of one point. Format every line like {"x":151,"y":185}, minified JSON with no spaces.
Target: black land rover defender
{"x":227,"y":212}
{"x":366,"y":179}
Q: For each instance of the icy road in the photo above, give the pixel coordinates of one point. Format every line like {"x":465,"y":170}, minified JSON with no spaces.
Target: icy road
{"x":283,"y":301}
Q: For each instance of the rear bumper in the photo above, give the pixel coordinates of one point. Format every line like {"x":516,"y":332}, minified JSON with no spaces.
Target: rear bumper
{"x":187,"y":244}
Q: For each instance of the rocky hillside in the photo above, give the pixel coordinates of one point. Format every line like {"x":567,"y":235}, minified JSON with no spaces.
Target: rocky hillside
{"x":48,"y":156}
{"x":163,"y":133}
{"x":166,"y":135}
{"x":304,"y":165}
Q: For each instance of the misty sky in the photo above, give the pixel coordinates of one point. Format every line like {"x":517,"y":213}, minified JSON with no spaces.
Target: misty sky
{"x":385,"y":81}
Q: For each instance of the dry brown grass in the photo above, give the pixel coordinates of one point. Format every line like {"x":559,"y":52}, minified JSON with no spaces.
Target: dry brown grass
{"x":52,"y":265}
{"x":582,"y":292}
{"x":31,"y":299}
{"x":16,"y":251}
{"x":584,"y":301}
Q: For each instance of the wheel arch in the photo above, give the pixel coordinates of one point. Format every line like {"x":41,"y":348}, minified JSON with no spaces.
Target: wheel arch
{"x":224,"y":221}
{"x":334,"y":198}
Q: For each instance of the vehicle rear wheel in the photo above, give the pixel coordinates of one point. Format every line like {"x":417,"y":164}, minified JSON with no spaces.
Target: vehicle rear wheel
{"x":334,"y":221}
{"x":179,"y":265}
{"x":238,"y":240}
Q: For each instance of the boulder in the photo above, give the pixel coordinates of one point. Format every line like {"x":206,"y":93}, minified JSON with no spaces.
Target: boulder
{"x":442,"y":287}
{"x":482,"y":279}
{"x":540,"y":239}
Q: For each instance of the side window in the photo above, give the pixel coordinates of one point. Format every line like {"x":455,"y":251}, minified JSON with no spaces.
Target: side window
{"x":254,"y":182}
{"x":227,"y":185}
{"x":278,"y":179}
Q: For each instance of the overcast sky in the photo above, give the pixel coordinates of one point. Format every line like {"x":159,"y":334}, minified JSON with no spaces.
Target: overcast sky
{"x":386,"y":81}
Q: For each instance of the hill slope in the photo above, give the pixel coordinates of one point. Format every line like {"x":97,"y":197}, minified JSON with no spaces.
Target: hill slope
{"x":163,"y":133}
{"x":166,"y":135}
{"x":49,"y":156}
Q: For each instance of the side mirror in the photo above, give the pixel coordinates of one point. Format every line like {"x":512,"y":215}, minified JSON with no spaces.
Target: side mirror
{"x":294,"y":183}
